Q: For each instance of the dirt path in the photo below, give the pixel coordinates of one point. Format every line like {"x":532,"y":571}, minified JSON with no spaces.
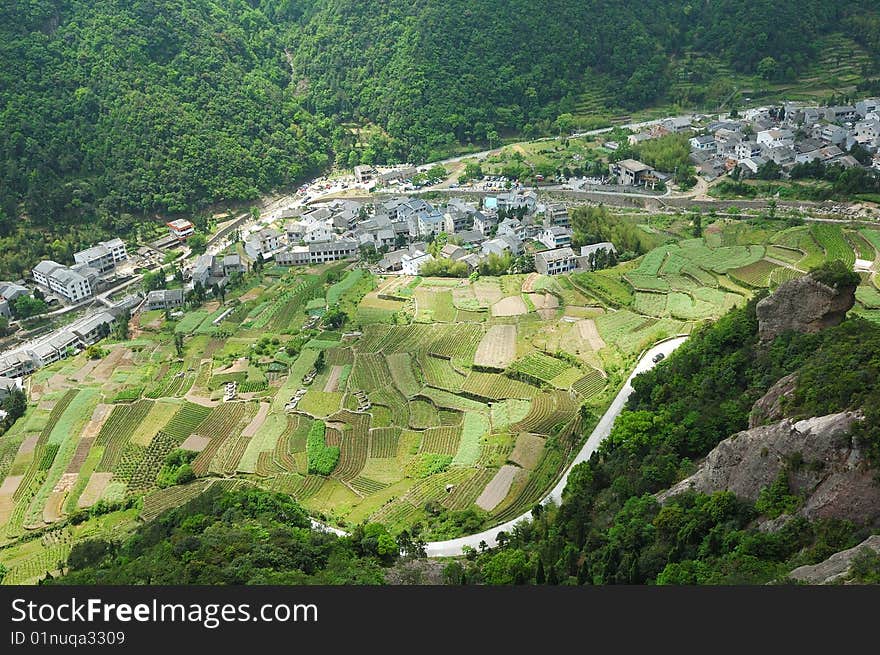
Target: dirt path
{"x":528,"y":285}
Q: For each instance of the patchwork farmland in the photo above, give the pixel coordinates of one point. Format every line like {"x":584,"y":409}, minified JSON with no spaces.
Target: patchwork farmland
{"x":437,"y":400}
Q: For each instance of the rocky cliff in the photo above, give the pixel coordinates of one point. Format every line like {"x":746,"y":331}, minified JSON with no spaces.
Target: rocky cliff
{"x":771,"y":407}
{"x":837,"y":567}
{"x":803,"y":305}
{"x":821,"y":461}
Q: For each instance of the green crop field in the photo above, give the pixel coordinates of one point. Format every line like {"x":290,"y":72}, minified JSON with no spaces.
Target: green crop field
{"x":376,"y":418}
{"x":832,"y":240}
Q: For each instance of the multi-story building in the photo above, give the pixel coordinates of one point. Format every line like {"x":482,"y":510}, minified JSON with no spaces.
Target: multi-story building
{"x":556,"y":237}
{"x":165,"y":299}
{"x":181,"y":229}
{"x":555,"y":262}
{"x":412,"y":264}
{"x":104,"y":256}
{"x":70,"y":284}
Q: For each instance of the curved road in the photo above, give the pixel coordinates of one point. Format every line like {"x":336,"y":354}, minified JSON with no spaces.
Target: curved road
{"x":600,"y":433}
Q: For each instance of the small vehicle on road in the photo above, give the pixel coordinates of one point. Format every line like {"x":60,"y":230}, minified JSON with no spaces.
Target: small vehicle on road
{"x":658,"y":357}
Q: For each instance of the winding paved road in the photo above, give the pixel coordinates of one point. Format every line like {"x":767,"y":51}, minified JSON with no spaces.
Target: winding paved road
{"x":600,"y":433}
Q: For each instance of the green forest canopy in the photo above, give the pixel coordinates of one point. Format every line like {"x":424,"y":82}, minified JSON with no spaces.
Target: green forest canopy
{"x":113,"y":111}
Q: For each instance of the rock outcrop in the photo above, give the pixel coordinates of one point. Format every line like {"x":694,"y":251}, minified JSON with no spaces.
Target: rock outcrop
{"x":770,"y":407}
{"x":836,"y":567}
{"x":803,"y":305}
{"x":823,"y":465}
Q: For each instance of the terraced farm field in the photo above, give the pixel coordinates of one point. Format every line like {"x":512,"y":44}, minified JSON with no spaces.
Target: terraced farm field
{"x":428,"y":402}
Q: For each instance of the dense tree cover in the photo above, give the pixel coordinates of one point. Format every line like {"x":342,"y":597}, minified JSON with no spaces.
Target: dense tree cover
{"x":240,"y":537}
{"x":438,"y":73}
{"x":611,"y":529}
{"x":444,"y":268}
{"x":322,"y":458}
{"x":113,"y":110}
{"x":594,"y":224}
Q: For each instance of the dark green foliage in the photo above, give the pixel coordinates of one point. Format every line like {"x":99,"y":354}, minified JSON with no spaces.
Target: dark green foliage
{"x":113,"y":111}
{"x":437,"y":73}
{"x":866,"y":567}
{"x":27,"y":306}
{"x":240,"y":537}
{"x":776,"y":499}
{"x":444,"y":268}
{"x":595,"y":224}
{"x":321,"y":457}
{"x":834,"y":273}
{"x":177,"y":468}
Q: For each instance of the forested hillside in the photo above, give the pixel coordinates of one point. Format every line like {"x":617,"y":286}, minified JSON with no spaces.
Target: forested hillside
{"x":111,"y":111}
{"x":435,"y":73}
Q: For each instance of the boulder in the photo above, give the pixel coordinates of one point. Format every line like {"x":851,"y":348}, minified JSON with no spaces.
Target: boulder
{"x":836,"y":567}
{"x":823,"y":464}
{"x":771,"y":406}
{"x":803,"y":305}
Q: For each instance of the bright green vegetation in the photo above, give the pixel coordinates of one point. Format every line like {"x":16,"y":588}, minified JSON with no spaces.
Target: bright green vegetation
{"x":610,"y":529}
{"x":832,"y":240}
{"x":395,"y":425}
{"x":94,"y":155}
{"x":322,"y":458}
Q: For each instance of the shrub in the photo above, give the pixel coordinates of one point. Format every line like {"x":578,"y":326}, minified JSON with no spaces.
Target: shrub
{"x":321,"y":457}
{"x":835,"y":274}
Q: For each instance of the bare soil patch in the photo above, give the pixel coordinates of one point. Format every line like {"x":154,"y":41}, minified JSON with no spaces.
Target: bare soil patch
{"x":589,"y":333}
{"x":105,"y":368}
{"x":94,"y":489}
{"x":497,"y":349}
{"x":512,"y":306}
{"x":497,"y":489}
{"x":52,"y":509}
{"x":195,"y":443}
{"x":29,"y":444}
{"x":333,"y":378}
{"x":487,"y":292}
{"x":85,"y":371}
{"x":527,"y":451}
{"x":257,"y":422}
{"x":10,"y":485}
{"x":253,"y":294}
{"x":240,"y":365}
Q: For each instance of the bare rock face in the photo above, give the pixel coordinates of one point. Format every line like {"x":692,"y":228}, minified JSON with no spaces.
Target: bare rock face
{"x":803,"y":305}
{"x":824,"y":467}
{"x":769,"y":407}
{"x":835,"y":567}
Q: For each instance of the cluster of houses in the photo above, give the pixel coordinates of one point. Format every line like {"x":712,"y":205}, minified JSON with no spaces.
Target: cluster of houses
{"x":79,"y":282}
{"x":9,"y":293}
{"x":506,"y":223}
{"x":27,"y":358}
{"x":787,"y":135}
{"x":400,"y":229}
